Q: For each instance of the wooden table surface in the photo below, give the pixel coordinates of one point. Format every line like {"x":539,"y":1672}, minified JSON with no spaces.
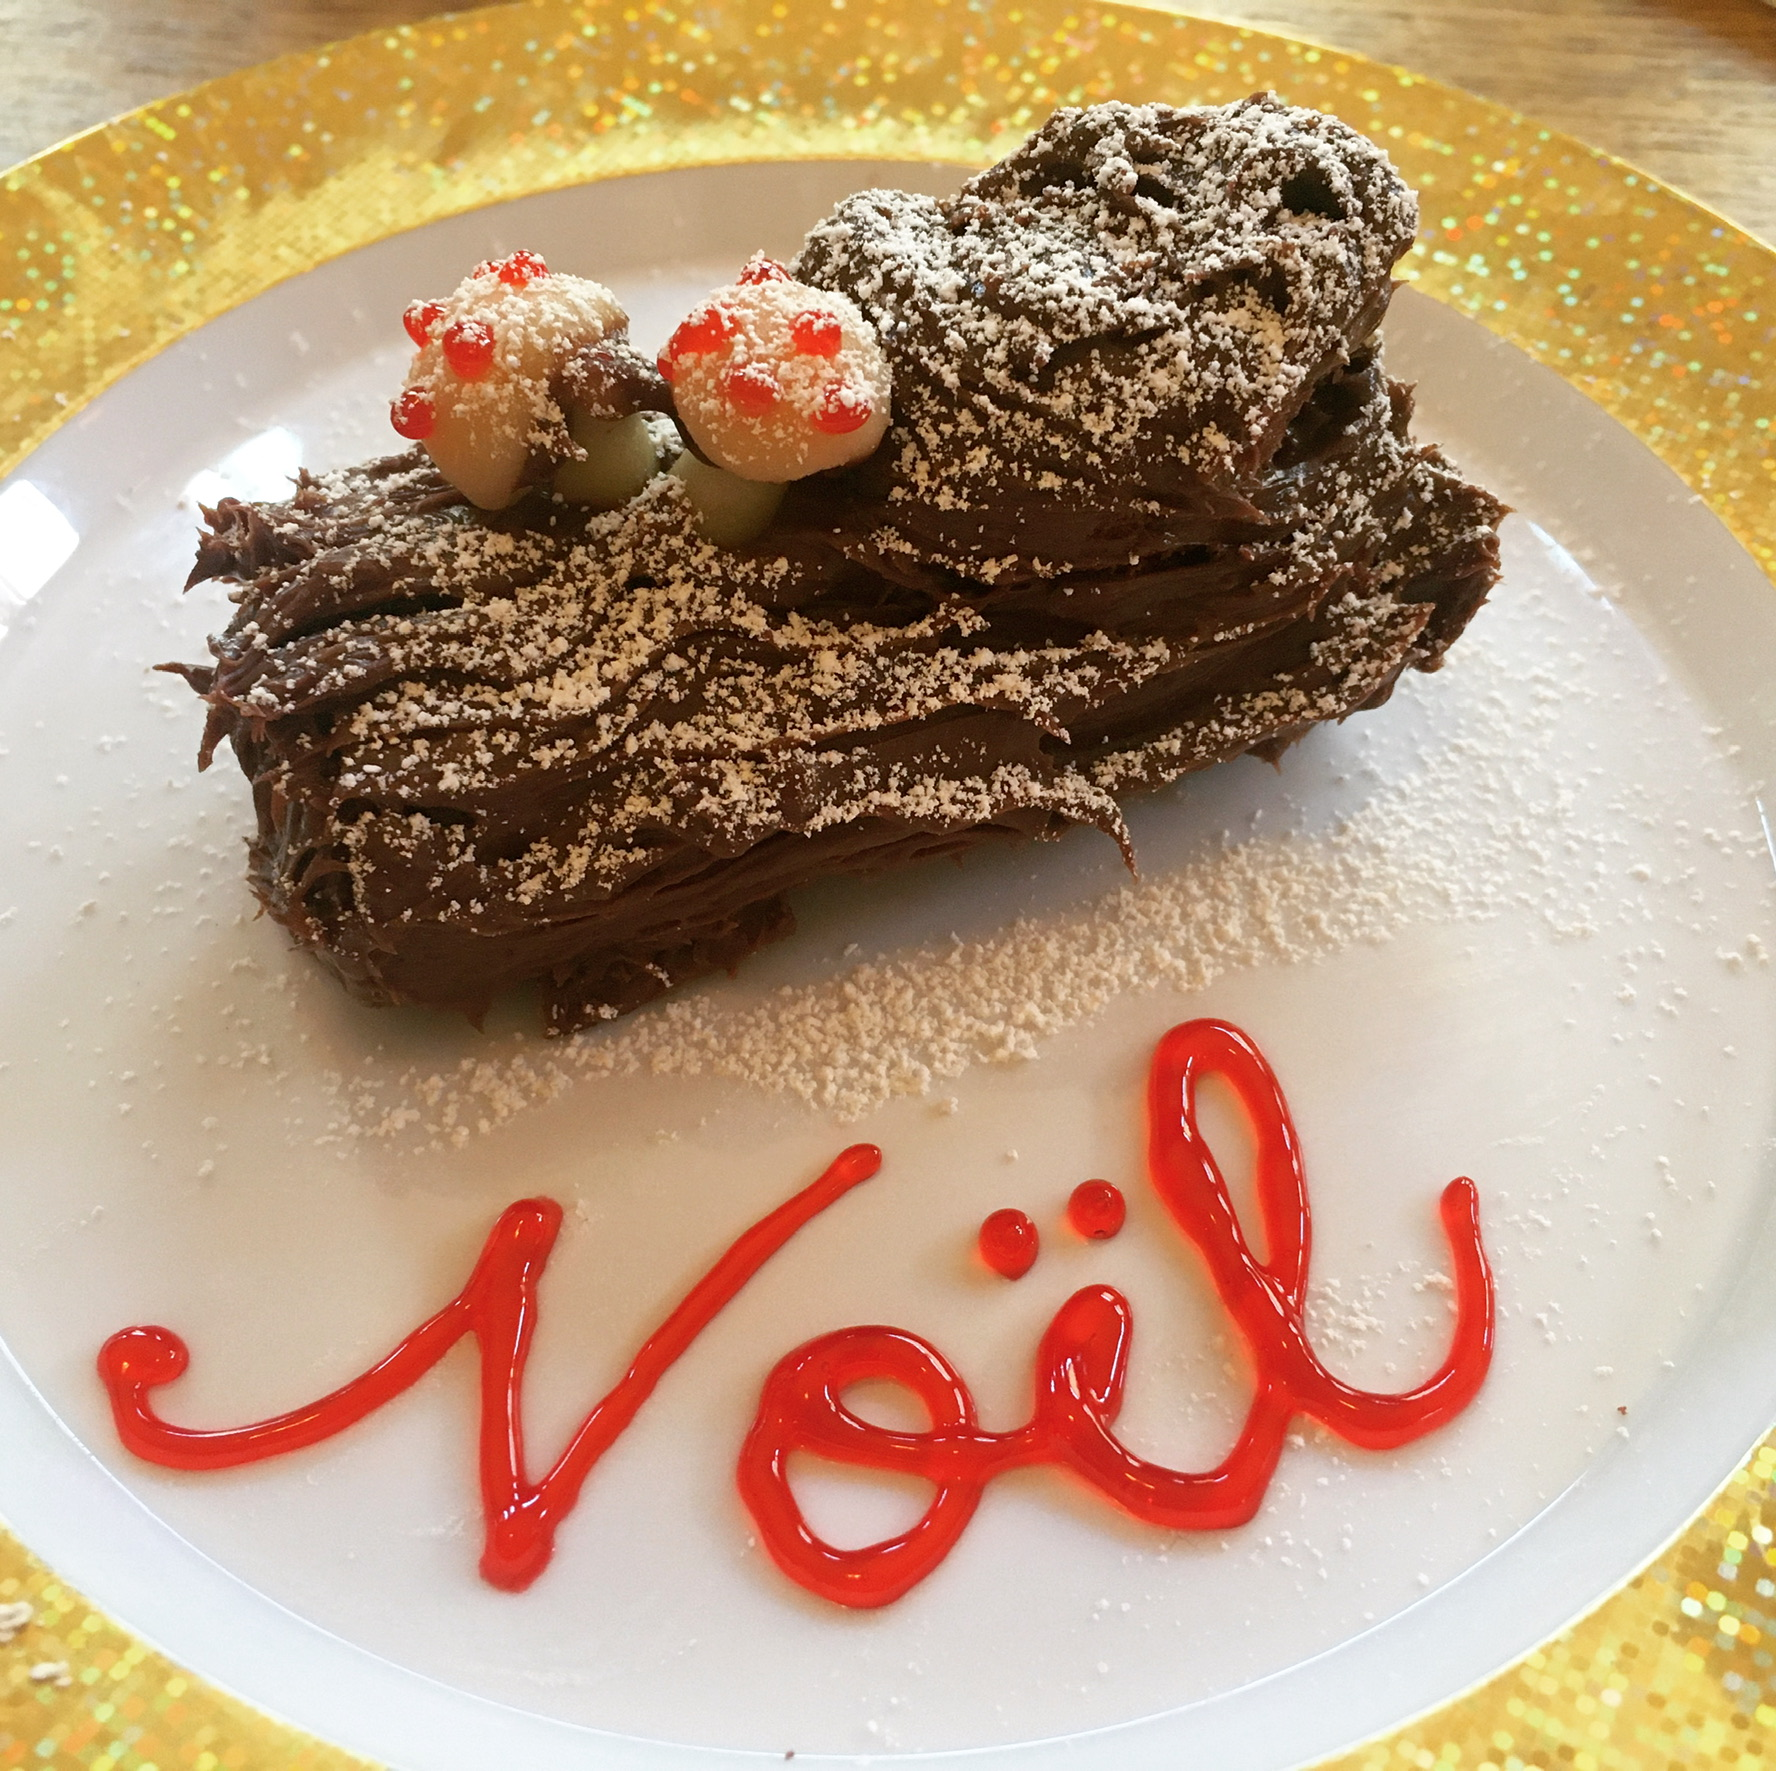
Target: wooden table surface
{"x":1687,"y":88}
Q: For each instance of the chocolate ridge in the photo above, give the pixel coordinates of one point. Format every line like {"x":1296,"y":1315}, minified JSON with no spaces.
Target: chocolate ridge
{"x":595,"y":752}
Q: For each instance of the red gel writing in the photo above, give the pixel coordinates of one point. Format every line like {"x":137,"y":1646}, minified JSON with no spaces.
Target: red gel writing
{"x":1008,"y":1243}
{"x":498,"y":1307}
{"x":1082,"y":1362}
{"x":1096,"y":1210}
{"x":1081,"y":1365}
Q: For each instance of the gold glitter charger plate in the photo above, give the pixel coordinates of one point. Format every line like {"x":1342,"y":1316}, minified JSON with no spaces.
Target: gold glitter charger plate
{"x":130,"y":237}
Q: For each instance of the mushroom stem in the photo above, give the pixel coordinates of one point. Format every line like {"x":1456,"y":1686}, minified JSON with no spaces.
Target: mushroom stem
{"x":620,"y":458}
{"x":730,"y":511}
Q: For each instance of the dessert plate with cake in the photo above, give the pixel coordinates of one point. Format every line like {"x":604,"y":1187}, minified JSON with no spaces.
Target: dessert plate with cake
{"x":992,"y":979}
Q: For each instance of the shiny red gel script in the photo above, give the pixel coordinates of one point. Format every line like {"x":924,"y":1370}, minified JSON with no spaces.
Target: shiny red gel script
{"x":1081,"y":1365}
{"x":498,"y":1307}
{"x":1008,"y":1243}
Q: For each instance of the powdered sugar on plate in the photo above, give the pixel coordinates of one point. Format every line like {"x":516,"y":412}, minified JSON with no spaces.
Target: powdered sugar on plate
{"x":1487,"y":820}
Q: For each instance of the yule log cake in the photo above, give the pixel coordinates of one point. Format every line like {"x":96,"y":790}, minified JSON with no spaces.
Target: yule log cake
{"x":980,"y":514}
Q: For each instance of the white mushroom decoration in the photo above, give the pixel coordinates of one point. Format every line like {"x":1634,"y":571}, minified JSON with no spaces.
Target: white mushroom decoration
{"x":774,"y":379}
{"x":526,"y":377}
{"x":484,"y":394}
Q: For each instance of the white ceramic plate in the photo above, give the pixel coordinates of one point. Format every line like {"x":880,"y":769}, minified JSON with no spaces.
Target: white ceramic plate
{"x":1513,"y":925}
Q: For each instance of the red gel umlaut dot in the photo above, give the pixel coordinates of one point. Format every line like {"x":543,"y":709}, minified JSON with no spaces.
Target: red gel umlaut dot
{"x":1096,"y":1209}
{"x":1009,"y":1243}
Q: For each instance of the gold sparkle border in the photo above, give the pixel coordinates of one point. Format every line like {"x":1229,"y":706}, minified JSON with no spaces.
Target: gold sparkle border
{"x":128,"y":237}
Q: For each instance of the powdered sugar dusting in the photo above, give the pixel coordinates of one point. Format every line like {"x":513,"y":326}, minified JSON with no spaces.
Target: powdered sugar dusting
{"x":1161,"y":507}
{"x":899,"y":1026}
{"x":488,"y":425}
{"x":777,"y":380}
{"x":1482,"y":824}
{"x":1139,"y":296}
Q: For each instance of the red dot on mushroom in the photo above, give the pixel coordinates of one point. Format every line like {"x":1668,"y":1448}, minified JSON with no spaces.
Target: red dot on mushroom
{"x":842,"y":409}
{"x":751,"y":389}
{"x":468,"y":348}
{"x":815,"y":334}
{"x":522,"y":268}
{"x":413,"y":415}
{"x":707,"y":330}
{"x":760,"y":269}
{"x":515,"y":269}
{"x":420,"y":318}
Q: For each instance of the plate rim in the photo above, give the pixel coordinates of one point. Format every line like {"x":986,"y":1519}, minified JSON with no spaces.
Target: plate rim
{"x":1680,"y":408}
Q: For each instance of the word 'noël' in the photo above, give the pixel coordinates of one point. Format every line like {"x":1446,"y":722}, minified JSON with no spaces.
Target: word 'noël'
{"x":1081,"y":1365}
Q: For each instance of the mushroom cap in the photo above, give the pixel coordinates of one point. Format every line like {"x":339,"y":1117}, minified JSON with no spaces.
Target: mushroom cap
{"x":775,"y":379}
{"x":493,"y":408}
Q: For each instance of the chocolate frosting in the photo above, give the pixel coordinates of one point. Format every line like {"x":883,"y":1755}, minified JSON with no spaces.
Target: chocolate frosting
{"x":1148,"y":501}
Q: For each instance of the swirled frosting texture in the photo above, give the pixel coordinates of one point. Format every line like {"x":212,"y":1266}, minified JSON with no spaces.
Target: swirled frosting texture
{"x":1148,"y":500}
